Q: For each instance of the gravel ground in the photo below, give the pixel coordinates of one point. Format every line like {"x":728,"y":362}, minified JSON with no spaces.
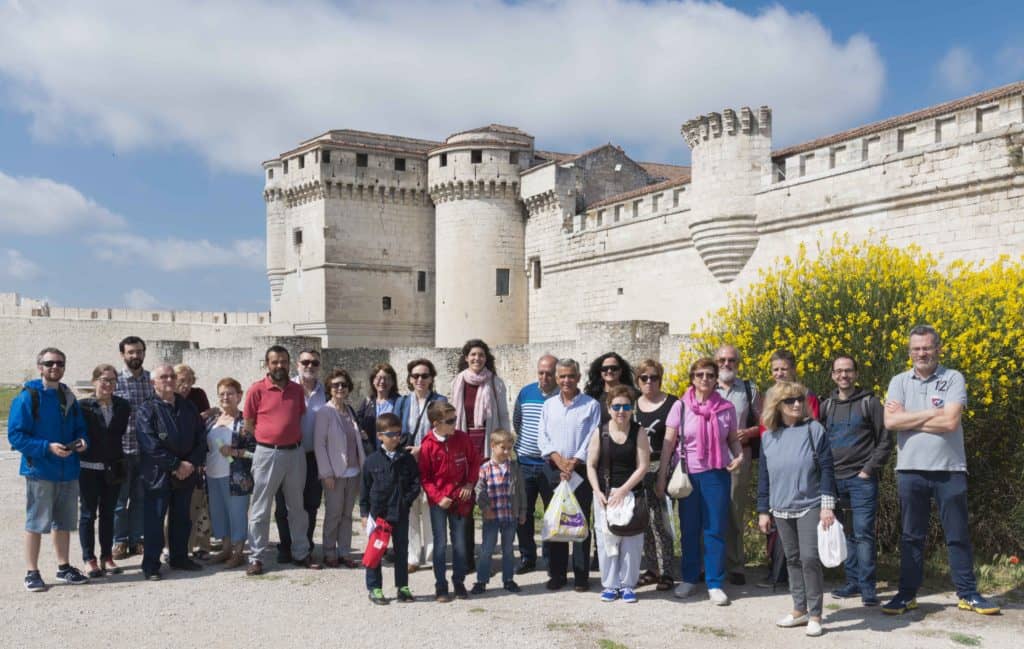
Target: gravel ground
{"x":290,"y":606}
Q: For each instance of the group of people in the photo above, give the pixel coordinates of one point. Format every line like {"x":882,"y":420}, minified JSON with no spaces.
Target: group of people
{"x":133,"y":455}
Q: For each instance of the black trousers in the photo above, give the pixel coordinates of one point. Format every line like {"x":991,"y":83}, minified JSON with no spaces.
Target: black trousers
{"x":95,"y":493}
{"x":558,"y":553}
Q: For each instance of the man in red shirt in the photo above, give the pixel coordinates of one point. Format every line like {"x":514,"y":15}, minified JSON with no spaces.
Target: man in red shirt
{"x":273,"y":409}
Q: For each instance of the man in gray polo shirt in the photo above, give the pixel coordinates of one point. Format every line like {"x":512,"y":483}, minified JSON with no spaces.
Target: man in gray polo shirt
{"x":924,"y":406}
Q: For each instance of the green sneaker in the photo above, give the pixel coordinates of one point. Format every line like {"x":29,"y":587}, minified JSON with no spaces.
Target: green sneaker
{"x":377,"y":596}
{"x":405,"y":595}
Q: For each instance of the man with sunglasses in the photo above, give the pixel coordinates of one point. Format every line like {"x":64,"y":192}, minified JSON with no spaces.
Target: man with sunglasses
{"x":743,"y":395}
{"x":308,"y":369}
{"x":854,"y":422}
{"x":46,"y":426}
{"x":566,"y":424}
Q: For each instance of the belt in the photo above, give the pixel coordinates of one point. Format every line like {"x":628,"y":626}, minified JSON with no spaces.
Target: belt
{"x":280,"y":447}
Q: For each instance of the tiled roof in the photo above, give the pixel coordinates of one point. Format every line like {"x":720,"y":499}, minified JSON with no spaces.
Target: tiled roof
{"x":660,"y":170}
{"x":900,"y":120}
{"x":681,"y":179}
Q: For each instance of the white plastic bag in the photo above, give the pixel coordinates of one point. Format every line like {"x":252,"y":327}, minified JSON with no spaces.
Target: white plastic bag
{"x":831,"y":545}
{"x":623,"y":513}
{"x":563,"y":519}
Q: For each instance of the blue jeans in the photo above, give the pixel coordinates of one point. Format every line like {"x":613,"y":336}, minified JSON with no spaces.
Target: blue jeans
{"x":444,"y":523}
{"x":507,"y":530}
{"x":229,"y":515}
{"x":860,"y":531}
{"x":400,"y":543}
{"x":535,"y":483}
{"x":174,"y":504}
{"x":128,"y":516}
{"x":705,"y":514}
{"x":949,"y":489}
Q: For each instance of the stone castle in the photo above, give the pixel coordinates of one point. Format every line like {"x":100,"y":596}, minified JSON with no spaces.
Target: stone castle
{"x":381,"y":247}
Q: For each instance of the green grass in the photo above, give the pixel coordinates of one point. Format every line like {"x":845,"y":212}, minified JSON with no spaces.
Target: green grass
{"x":569,"y":626}
{"x":833,"y":607}
{"x":965,"y":639}
{"x":718,"y":632}
{"x":477,"y":609}
{"x":605,"y":643}
{"x":7,"y":395}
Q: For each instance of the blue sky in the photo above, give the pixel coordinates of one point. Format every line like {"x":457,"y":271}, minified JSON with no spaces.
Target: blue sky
{"x":131,"y":136}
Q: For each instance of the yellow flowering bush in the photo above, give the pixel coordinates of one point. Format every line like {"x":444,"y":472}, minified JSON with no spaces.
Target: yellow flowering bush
{"x":861,"y":298}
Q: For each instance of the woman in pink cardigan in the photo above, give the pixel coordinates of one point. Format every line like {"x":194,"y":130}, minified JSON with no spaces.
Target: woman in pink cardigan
{"x":339,"y":459}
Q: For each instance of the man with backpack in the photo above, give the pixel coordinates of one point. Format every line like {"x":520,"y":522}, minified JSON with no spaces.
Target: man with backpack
{"x":743,"y":395}
{"x":854,"y":420}
{"x":47,"y":427}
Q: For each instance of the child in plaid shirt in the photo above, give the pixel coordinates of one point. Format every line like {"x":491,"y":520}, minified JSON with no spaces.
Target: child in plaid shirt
{"x":502,"y":502}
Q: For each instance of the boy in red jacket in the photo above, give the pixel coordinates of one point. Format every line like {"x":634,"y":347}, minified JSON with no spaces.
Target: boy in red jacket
{"x":449,"y":466}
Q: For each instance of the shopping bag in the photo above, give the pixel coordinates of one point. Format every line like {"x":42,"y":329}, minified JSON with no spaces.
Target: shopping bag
{"x":831,"y":545}
{"x":563,"y":519}
{"x":377,"y":544}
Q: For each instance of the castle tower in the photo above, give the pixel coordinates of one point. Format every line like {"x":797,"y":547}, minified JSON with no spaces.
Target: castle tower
{"x":274,"y":198}
{"x":731,"y":157}
{"x":473,"y":179}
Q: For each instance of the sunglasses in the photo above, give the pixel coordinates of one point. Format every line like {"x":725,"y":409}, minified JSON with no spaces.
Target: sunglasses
{"x":389,"y":433}
{"x":52,"y":363}
{"x":609,"y":368}
{"x":705,"y":375}
{"x":790,"y":401}
{"x":450,"y":422}
{"x":307,"y":363}
{"x":340,"y":386}
{"x":649,"y":378}
{"x":622,"y":407}
{"x":418,"y":377}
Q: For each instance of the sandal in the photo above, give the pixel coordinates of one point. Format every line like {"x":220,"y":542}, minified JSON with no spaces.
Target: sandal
{"x":647,"y":579}
{"x":665,"y":583}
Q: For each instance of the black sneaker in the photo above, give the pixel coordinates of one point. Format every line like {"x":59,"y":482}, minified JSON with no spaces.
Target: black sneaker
{"x":899,"y":604}
{"x":478,"y":588}
{"x":460,"y":591}
{"x":71,"y":575}
{"x":185,"y":564}
{"x":284,"y":555}
{"x":847,"y":591}
{"x":152,"y":576}
{"x":511,"y":586}
{"x":525,"y":566}
{"x":556,"y":583}
{"x":34,"y":582}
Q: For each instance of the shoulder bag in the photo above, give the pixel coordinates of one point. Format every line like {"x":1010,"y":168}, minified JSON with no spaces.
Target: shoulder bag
{"x":641,"y":517}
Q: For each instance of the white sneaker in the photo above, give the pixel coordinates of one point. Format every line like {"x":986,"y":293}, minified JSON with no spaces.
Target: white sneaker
{"x":684,"y":590}
{"x":790,"y":621}
{"x":718,"y":597}
{"x":813,"y":628}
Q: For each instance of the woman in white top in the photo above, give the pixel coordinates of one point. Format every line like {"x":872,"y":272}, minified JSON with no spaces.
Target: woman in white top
{"x":339,"y":459}
{"x":227,"y":444}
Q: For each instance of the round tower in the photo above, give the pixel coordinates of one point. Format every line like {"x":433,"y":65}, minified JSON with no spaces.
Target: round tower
{"x":480,"y":262}
{"x":731,"y":157}
{"x":274,"y":197}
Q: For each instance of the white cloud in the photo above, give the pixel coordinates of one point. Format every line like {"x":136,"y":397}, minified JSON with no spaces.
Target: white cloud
{"x":14,"y":265}
{"x":44,"y":206}
{"x":138,"y":298}
{"x":240,"y":82}
{"x":957,"y":70}
{"x":173,"y":254}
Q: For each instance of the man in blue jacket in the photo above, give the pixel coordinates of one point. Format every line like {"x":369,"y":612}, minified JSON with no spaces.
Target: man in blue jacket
{"x":46,"y":426}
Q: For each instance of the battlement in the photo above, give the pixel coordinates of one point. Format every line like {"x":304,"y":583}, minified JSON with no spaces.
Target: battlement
{"x":21,"y":307}
{"x":728,"y":122}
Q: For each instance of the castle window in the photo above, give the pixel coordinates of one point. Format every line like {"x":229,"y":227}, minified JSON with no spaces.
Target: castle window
{"x":385,"y":303}
{"x":600,"y":218}
{"x":945,"y":129}
{"x":618,"y":213}
{"x":444,"y":160}
{"x":836,"y":153}
{"x":297,"y":236}
{"x":94,"y":315}
{"x":636,"y":208}
{"x":535,"y":271}
{"x":270,"y":174}
{"x":501,"y":277}
{"x":654,"y":202}
{"x":869,"y":147}
{"x":901,"y":138}
{"x":985,"y":118}
{"x":675,"y":197}
{"x":325,"y":157}
{"x":421,"y":281}
{"x":513,"y":157}
{"x":362,"y":160}
{"x":286,"y":167}
{"x":804,"y":159}
{"x":302,"y":161}
{"x":778,"y":171}
{"x":399,"y":164}
{"x":476,"y":156}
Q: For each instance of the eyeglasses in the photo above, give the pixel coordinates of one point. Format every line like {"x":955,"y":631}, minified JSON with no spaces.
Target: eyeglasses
{"x":107,"y":381}
{"x":544,"y":373}
{"x":167,"y":377}
{"x":792,"y":401}
{"x":389,"y":433}
{"x":705,"y":375}
{"x":420,"y":377}
{"x":307,"y":363}
{"x":339,"y":385}
{"x":52,"y":363}
{"x":649,"y":378}
{"x":726,"y":361}
{"x":621,"y":407}
{"x":609,"y":368}
{"x":450,"y":422}
{"x":843,"y":371}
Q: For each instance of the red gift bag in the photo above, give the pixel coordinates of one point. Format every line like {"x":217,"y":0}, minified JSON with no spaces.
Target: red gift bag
{"x":377,"y":544}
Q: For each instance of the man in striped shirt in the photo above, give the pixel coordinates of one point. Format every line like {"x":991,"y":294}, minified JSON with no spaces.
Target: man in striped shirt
{"x":135,"y":385}
{"x":526,"y":419}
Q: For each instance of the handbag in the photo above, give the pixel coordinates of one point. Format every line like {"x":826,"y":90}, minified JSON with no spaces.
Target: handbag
{"x":641,"y":517}
{"x":116,"y":472}
{"x":377,"y":544}
{"x":679,"y":486}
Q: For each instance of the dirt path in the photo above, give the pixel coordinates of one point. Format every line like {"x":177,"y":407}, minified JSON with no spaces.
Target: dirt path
{"x":291,"y":607}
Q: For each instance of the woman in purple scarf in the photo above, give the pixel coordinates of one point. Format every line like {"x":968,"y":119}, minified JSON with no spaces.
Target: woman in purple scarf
{"x":708,"y":424}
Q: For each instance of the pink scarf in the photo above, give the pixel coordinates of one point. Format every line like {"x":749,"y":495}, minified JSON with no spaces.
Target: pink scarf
{"x":484,"y":397}
{"x":709,"y":436}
